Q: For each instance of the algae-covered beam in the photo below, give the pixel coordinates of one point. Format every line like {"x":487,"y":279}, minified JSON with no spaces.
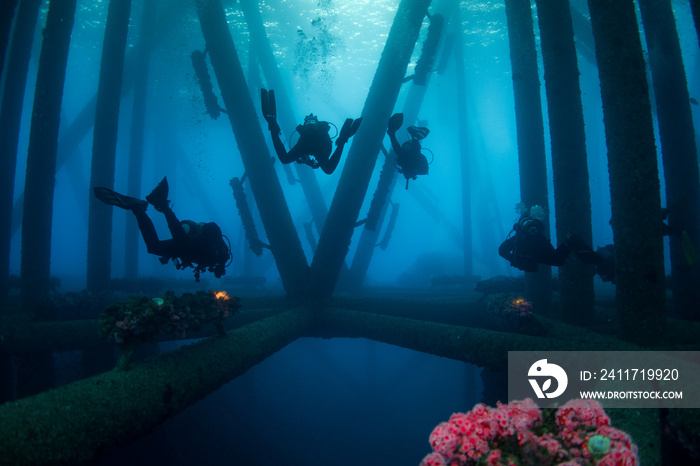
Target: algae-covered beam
{"x":337,"y":232}
{"x":485,"y":348}
{"x":76,"y":423}
{"x":274,"y":212}
{"x":28,"y":337}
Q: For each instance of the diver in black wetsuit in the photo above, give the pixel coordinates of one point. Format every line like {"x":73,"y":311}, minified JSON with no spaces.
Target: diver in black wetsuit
{"x":411,"y":162}
{"x":192,"y":242}
{"x":314,"y":145}
{"x":529,"y":246}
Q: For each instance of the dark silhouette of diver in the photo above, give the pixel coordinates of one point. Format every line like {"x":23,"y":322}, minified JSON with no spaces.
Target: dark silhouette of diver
{"x":527,"y":246}
{"x":314,"y":145}
{"x":192,"y":242}
{"x":411,"y":162}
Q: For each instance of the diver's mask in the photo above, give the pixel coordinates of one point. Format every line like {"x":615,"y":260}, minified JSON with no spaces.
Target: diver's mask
{"x":530,"y":226}
{"x":311,"y":119}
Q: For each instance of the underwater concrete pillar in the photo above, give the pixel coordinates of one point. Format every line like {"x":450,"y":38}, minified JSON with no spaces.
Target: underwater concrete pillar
{"x":10,"y":118}
{"x":41,"y":154}
{"x":138,"y":125}
{"x":335,"y":238}
{"x":245,"y":123}
{"x":679,"y":152}
{"x":634,"y":177}
{"x":572,"y":195}
{"x":464,"y":152}
{"x":81,"y":125}
{"x":530,"y":134}
{"x":104,"y":144}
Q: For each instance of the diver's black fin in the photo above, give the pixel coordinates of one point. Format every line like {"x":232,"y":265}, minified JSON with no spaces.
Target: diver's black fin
{"x":159,"y":196}
{"x":395,"y":122}
{"x":345,"y":132}
{"x":272,"y":105}
{"x":348,"y":130}
{"x":355,"y":127}
{"x":110,"y":197}
{"x":269,"y":109}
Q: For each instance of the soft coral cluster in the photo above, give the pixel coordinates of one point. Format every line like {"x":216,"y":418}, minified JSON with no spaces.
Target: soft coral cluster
{"x":517,"y":434}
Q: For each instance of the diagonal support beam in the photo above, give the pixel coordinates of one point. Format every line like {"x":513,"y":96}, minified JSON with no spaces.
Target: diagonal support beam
{"x":76,"y":423}
{"x":334,"y":242}
{"x":274,"y":212}
{"x":261,"y":44}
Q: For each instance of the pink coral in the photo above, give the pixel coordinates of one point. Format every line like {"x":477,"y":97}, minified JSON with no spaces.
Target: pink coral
{"x":619,"y":456}
{"x":515,"y":433}
{"x":578,"y":417}
{"x":433,"y":459}
{"x":581,"y":413}
{"x":444,"y":440}
{"x":622,"y":451}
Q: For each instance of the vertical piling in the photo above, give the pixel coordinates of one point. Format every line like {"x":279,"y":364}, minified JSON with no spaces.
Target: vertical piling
{"x":572,"y":196}
{"x":530,"y":133}
{"x":679,"y":151}
{"x":35,"y":370}
{"x":41,"y":154}
{"x":104,"y":144}
{"x":634,"y":177}
{"x":10,"y":117}
{"x":138,"y":124}
{"x":464,"y":153}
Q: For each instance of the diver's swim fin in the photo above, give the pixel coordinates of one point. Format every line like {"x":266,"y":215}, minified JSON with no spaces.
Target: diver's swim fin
{"x":269,"y":109}
{"x":110,"y":197}
{"x":355,"y":126}
{"x":395,"y":122}
{"x":272,"y":105}
{"x":159,"y":196}
{"x":348,"y":130}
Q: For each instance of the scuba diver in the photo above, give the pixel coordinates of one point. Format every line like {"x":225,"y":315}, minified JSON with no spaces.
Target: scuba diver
{"x":529,"y":246}
{"x":192,"y":242}
{"x":411,"y":162}
{"x":314,"y":145}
